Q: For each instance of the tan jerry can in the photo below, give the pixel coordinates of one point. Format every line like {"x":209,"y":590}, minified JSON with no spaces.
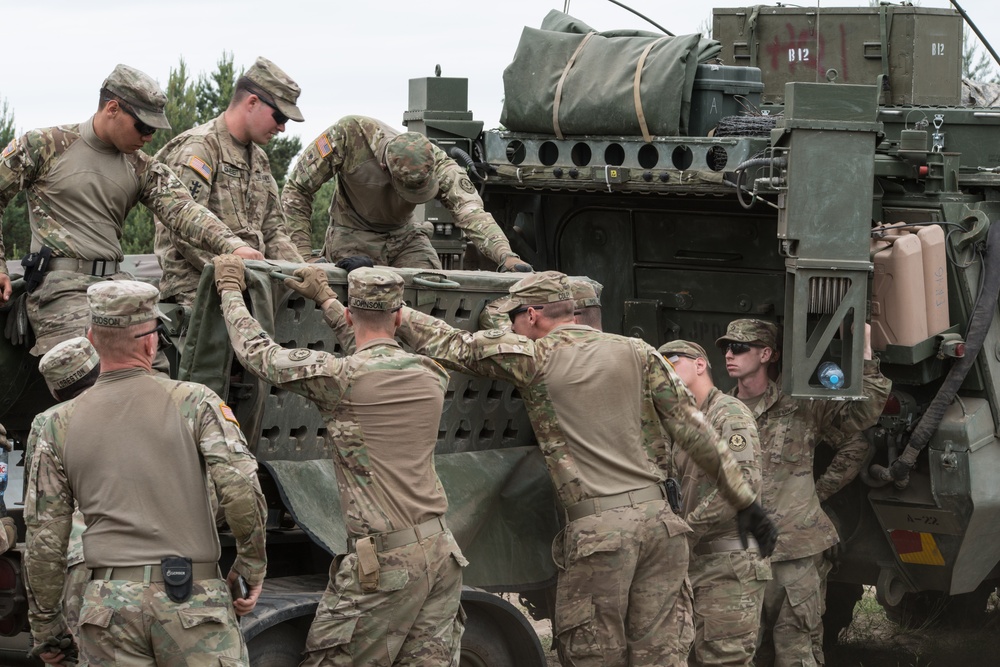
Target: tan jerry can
{"x":898,"y":293}
{"x":918,"y":49}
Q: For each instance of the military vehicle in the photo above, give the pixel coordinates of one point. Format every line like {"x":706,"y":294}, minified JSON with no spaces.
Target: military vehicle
{"x":814,"y":187}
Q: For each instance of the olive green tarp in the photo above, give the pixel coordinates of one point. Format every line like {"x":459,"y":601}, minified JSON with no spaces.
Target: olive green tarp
{"x":597,"y":71}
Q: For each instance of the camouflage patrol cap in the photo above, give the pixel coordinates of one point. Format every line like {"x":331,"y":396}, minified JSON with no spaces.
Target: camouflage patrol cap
{"x":684,"y":348}
{"x":121,"y":303}
{"x":370,"y":288}
{"x":141,"y":93}
{"x":279,"y":86}
{"x":538,"y":289}
{"x":750,"y":331}
{"x":586,"y":293}
{"x":410,"y":159}
{"x":68,"y":362}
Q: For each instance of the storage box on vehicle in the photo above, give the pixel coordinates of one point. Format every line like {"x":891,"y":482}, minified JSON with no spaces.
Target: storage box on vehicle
{"x":719,"y":91}
{"x":917,"y":48}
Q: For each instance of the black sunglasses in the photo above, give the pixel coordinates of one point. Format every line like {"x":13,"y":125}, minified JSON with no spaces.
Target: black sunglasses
{"x":161,"y":332}
{"x":140,"y":127}
{"x":739,"y":348}
{"x":522,"y":309}
{"x":278,"y":117}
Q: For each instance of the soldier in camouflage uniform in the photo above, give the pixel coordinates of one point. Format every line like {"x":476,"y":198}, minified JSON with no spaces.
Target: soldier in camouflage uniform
{"x":395,"y":597}
{"x":727,"y":578}
{"x":224,"y":167}
{"x":791,"y":621}
{"x":8,"y":534}
{"x":622,"y":596}
{"x":69,"y":369}
{"x":381,"y":177}
{"x":161,"y":437}
{"x":81,"y":181}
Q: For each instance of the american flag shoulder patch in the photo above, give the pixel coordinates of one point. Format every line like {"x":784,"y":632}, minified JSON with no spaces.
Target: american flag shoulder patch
{"x":201,"y":168}
{"x":323,"y":146}
{"x":227,"y":413}
{"x":11,"y":147}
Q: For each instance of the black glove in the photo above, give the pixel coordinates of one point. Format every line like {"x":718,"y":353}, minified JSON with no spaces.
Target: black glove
{"x":900,"y":469}
{"x":753,"y":520}
{"x":62,"y":643}
{"x":355,"y":262}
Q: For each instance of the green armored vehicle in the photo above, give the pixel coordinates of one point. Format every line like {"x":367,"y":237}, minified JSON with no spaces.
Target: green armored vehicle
{"x":793,"y":183}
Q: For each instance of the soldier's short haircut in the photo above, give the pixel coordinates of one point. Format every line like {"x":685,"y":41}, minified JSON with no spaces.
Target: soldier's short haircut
{"x":244,"y":88}
{"x":590,"y":316}
{"x":373,"y":319}
{"x":558,"y":310}
{"x":119,"y":342}
{"x":78,"y":387}
{"x":107,"y":96}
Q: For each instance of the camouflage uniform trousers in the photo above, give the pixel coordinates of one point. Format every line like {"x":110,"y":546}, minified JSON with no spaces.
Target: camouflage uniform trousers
{"x":728,"y":594}
{"x":623,"y":596}
{"x":414,"y":618}
{"x":791,"y":628}
{"x":58,"y":308}
{"x":136,"y":624}
{"x":406,"y":247}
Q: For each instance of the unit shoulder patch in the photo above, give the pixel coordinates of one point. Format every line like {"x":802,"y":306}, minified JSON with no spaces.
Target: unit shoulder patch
{"x":299,"y":354}
{"x":466,"y":185}
{"x":737,"y":442}
{"x":201,"y":168}
{"x":494,"y":333}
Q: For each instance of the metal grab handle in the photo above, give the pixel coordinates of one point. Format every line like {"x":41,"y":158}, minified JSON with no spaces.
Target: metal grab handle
{"x":440,"y":282}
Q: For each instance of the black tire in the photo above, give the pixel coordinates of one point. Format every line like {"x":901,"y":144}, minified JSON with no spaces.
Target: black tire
{"x":483,"y":642}
{"x":840,"y":601}
{"x":280,"y":646}
{"x":936,"y":609}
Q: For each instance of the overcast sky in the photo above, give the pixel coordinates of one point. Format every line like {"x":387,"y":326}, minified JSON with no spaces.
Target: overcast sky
{"x":349,"y":57}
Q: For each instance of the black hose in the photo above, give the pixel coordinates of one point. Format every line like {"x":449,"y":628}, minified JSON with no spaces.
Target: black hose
{"x":458,"y":155}
{"x":979,"y":325}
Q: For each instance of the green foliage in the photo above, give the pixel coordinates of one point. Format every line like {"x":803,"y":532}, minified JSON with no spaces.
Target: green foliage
{"x":976,"y":65}
{"x":280,"y":152}
{"x":16,"y":231}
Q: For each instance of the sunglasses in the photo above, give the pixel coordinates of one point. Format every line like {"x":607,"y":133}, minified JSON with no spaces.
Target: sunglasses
{"x":140,"y":127}
{"x":161,"y":332}
{"x":522,"y":309}
{"x":278,"y":117}
{"x":739,"y":348}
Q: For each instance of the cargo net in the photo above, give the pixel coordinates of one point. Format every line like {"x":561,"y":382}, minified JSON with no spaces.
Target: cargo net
{"x":745,"y":125}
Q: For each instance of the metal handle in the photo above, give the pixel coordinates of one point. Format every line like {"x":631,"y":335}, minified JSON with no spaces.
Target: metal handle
{"x":440,"y":282}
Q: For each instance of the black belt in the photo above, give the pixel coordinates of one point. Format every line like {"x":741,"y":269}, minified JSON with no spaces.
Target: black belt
{"x":595,"y":505}
{"x":154,"y":573}
{"x":90,"y":267}
{"x":405,"y":536}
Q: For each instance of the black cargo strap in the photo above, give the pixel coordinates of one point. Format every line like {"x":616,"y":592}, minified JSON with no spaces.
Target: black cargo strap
{"x":725,"y":546}
{"x":153,"y":573}
{"x":598,"y":505}
{"x":89,"y":267}
{"x":405,"y":536}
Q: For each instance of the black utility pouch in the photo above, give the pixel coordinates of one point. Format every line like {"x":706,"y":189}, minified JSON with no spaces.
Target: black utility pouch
{"x":177,"y":579}
{"x":35,"y":265}
{"x":673,"y":489}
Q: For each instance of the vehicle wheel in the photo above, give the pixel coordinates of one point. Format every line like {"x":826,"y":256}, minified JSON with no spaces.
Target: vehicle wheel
{"x":483,"y":642}
{"x":840,"y":601}
{"x":936,"y":609}
{"x":280,"y":646}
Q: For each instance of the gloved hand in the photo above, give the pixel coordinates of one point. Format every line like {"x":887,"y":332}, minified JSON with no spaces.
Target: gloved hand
{"x":230,"y":274}
{"x":753,"y":520}
{"x":516,"y":264}
{"x":312,"y":284}
{"x":4,"y":442}
{"x":53,"y":647}
{"x":900,"y":469}
{"x":355,"y":262}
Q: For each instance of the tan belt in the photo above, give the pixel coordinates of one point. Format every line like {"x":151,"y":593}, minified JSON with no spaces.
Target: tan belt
{"x":597,"y":505}
{"x":400,"y":538}
{"x":725,"y":545}
{"x":90,"y":267}
{"x":154,"y":573}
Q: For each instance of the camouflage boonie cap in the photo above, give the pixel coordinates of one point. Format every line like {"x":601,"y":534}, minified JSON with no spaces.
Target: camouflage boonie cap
{"x":141,"y":93}
{"x":750,"y":331}
{"x":410,"y":159}
{"x":538,"y":289}
{"x":586,"y":293}
{"x":121,"y":303}
{"x":374,"y":289}
{"x":684,"y":348}
{"x":68,"y":362}
{"x":283,"y":91}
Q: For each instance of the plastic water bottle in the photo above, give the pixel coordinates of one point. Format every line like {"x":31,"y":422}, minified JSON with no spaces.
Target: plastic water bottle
{"x":3,"y":476}
{"x":830,"y":375}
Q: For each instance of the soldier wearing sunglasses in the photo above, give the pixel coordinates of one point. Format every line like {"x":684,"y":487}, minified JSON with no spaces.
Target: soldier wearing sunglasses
{"x":224,"y":167}
{"x":791,"y":621}
{"x":81,"y":181}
